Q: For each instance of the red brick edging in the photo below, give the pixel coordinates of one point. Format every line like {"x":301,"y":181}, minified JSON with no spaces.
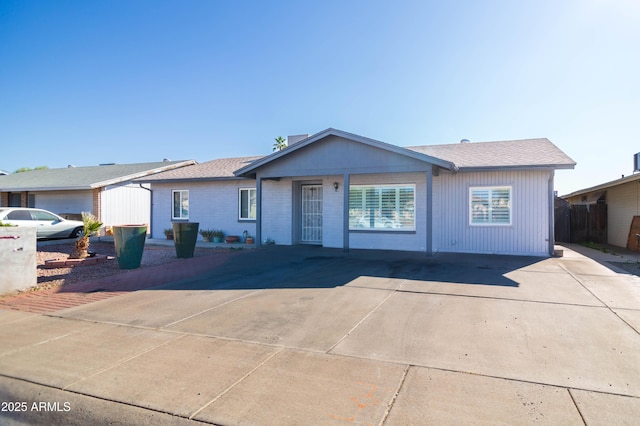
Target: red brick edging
{"x":80,"y":293}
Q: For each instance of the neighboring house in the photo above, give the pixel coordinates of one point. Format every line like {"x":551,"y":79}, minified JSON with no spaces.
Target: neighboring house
{"x":107,"y":190}
{"x":208,"y":193}
{"x":341,"y":190}
{"x":622,"y":199}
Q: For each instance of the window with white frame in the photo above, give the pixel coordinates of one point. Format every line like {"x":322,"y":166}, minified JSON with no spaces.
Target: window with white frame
{"x":247,"y":204}
{"x":490,"y":205}
{"x":382,"y":207}
{"x":180,"y":207}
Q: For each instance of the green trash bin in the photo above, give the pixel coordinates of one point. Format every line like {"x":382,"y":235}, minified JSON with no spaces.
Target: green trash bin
{"x":129,"y":244}
{"x":185,"y":235}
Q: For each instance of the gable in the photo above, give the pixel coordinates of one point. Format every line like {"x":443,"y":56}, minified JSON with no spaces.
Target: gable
{"x":337,"y":155}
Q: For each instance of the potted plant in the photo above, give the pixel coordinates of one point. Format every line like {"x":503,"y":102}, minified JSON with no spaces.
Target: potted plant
{"x":207,"y":234}
{"x":91,"y":225}
{"x":168,"y":232}
{"x":217,"y":235}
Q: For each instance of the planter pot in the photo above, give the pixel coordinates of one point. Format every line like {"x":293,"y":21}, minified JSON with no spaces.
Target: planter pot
{"x":185,"y":235}
{"x":248,"y":240}
{"x":217,"y":239}
{"x":129,"y":244}
{"x":169,"y":237}
{"x":232,"y":239}
{"x":206,"y":239}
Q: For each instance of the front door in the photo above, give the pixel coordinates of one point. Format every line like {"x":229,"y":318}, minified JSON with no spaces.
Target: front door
{"x":311,"y":230}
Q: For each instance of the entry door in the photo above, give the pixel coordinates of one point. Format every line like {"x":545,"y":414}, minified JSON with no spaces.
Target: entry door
{"x":311,"y":214}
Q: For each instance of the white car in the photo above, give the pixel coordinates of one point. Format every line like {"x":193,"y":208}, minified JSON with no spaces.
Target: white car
{"x":48,"y":225}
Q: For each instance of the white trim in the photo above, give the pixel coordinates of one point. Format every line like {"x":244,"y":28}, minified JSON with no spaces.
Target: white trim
{"x":491,"y":189}
{"x":249,"y":201}
{"x":173,"y":217}
{"x":390,"y":229}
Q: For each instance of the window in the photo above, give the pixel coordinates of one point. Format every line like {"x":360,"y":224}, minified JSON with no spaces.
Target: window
{"x":490,"y":205}
{"x":180,"y":208}
{"x":247,"y":204}
{"x":382,"y":207}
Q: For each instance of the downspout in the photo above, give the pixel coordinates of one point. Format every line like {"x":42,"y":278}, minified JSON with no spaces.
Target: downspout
{"x":150,"y":208}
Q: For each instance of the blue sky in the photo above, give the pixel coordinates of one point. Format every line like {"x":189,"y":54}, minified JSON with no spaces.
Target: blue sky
{"x":88,"y":82}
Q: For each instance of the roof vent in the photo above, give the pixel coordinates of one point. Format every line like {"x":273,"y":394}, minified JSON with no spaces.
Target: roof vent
{"x":636,"y":163}
{"x":464,"y":141}
{"x":70,"y":166}
{"x":165,"y":160}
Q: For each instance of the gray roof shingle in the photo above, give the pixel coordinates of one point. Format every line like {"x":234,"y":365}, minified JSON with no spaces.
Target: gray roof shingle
{"x":502,"y":154}
{"x":83,"y":177}
{"x":219,"y":169}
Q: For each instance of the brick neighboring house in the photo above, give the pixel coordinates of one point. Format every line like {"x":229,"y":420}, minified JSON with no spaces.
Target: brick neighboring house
{"x":107,"y":190}
{"x":342,"y":190}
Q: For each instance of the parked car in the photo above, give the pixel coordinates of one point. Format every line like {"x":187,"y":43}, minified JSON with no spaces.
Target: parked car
{"x":48,"y":225}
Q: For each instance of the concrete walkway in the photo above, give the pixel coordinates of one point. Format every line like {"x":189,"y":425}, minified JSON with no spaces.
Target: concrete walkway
{"x":305,"y":335}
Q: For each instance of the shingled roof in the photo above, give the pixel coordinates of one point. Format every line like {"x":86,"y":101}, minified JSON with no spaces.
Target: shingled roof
{"x":219,"y":169}
{"x":524,"y":153}
{"x":73,"y":178}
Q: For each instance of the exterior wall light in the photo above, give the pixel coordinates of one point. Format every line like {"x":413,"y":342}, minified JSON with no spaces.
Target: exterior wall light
{"x":335,"y":186}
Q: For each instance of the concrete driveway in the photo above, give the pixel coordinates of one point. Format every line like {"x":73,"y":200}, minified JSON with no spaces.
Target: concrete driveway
{"x":305,"y":335}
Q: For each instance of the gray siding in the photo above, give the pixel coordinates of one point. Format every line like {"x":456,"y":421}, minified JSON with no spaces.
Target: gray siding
{"x":335,"y":156}
{"x":529,"y":231}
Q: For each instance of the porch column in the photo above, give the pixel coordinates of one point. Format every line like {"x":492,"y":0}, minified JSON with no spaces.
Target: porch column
{"x":345,"y":212}
{"x":429,"y":215}
{"x":258,"y":211}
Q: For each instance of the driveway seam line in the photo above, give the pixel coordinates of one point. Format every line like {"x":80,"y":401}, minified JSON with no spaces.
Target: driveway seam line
{"x":234,"y":384}
{"x":210,"y":309}
{"x":118,"y":363}
{"x":507,"y":299}
{"x":365,"y":317}
{"x":405,"y":373}
{"x":575,"y":277}
{"x":575,"y":404}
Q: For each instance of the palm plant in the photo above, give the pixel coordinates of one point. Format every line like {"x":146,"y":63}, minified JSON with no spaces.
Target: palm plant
{"x":91,"y":225}
{"x":280,"y":144}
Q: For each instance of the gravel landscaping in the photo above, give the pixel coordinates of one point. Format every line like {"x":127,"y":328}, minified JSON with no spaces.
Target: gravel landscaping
{"x":48,"y":278}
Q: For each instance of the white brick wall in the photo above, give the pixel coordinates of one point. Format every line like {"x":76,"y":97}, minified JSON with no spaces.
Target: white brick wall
{"x":213,"y":204}
{"x":276,"y":211}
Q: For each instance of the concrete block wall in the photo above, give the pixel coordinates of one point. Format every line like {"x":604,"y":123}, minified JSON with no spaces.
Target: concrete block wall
{"x":214,"y":205}
{"x":277,"y":211}
{"x":18,"y":258}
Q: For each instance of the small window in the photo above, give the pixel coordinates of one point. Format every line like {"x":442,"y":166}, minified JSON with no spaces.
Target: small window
{"x":490,"y":205}
{"x":382,"y":207}
{"x":247,"y":204}
{"x":180,"y":209}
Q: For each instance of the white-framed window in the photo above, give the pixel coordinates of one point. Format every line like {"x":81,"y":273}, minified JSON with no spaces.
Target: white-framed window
{"x":382,"y":207}
{"x":247,"y":204}
{"x":180,"y":205}
{"x":490,"y":205}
